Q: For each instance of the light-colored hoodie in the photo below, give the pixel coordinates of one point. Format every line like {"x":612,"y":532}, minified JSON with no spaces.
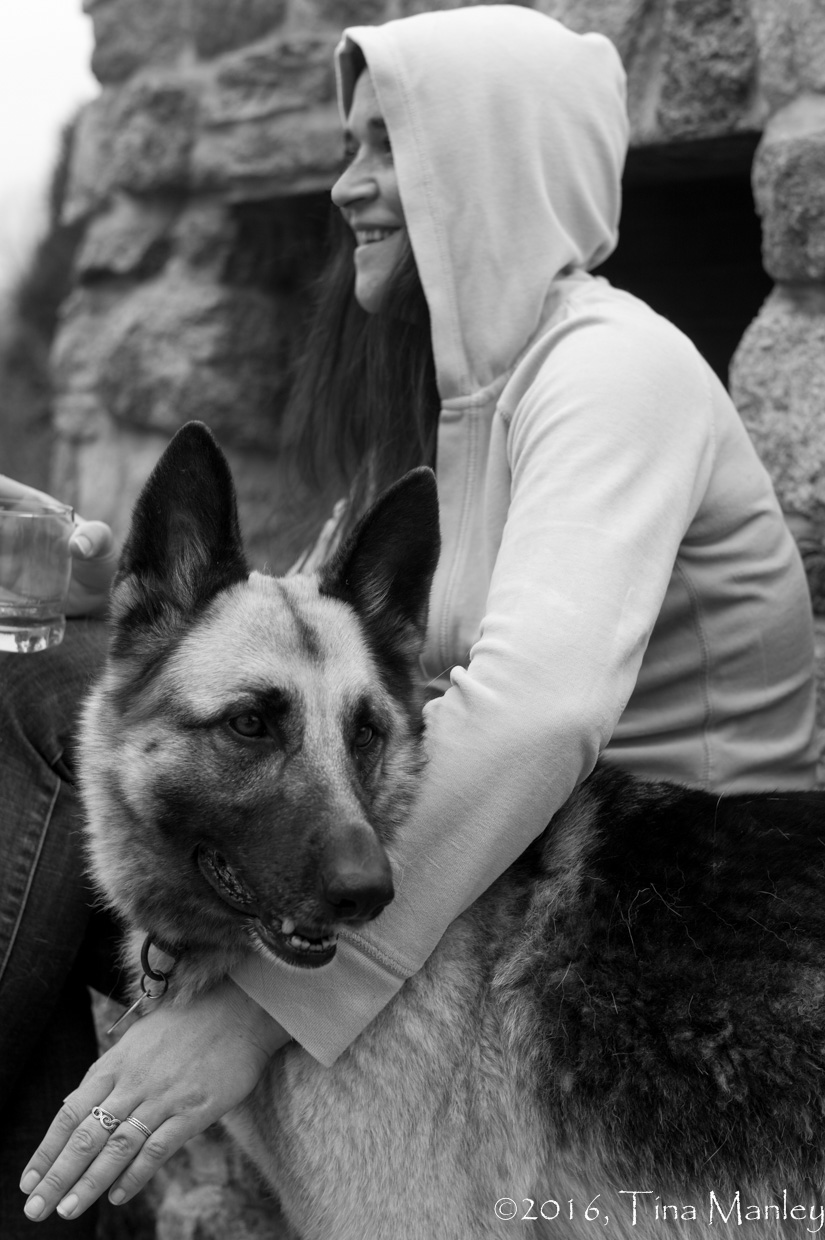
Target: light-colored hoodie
{"x":616,"y":575}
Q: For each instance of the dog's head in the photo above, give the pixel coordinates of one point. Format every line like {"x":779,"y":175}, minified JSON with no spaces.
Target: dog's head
{"x":255,"y":741}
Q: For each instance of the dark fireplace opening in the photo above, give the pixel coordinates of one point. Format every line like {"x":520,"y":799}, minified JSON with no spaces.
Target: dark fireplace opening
{"x":690,"y":241}
{"x":280,"y":243}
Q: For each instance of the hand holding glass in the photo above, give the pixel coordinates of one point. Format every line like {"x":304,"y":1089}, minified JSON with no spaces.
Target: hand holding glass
{"x":35,"y":572}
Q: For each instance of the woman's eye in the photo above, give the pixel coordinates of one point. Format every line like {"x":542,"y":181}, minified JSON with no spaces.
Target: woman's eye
{"x":250,"y":726}
{"x":364,"y":737}
{"x":380,"y":145}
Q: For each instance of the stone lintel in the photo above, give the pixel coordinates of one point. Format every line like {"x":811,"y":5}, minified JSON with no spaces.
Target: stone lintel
{"x":788,"y":185}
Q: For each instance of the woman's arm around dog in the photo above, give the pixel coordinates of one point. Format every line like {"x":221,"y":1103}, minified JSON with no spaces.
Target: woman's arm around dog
{"x":175,"y":1071}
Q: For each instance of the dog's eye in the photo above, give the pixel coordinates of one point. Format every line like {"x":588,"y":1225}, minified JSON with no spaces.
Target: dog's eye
{"x":364,"y":737}
{"x":250,"y":726}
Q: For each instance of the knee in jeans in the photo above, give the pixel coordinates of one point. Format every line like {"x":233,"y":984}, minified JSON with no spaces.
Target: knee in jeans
{"x":41,"y":693}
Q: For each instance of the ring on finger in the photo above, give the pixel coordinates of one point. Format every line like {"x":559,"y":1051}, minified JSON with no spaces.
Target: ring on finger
{"x":106,"y":1119}
{"x":139,"y":1124}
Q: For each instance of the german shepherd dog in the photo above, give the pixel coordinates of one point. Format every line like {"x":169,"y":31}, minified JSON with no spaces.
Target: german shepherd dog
{"x":624,"y":1036}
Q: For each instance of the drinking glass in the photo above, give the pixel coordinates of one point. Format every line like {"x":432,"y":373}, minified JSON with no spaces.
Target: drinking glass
{"x":35,"y":570}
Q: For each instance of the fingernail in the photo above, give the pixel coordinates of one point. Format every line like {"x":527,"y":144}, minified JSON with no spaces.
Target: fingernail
{"x":67,"y":1206}
{"x":34,"y":1208}
{"x":82,"y":544}
{"x":29,"y":1182}
{"x":117,"y":1195}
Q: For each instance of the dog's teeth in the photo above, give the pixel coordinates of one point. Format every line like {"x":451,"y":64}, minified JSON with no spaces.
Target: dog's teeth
{"x":312,"y":945}
{"x":287,"y":926}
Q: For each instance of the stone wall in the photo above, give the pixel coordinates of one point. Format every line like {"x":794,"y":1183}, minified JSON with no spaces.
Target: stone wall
{"x":778,"y":377}
{"x":200,"y":174}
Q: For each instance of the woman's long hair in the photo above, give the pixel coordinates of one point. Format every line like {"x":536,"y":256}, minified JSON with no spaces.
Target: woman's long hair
{"x":364,"y":403}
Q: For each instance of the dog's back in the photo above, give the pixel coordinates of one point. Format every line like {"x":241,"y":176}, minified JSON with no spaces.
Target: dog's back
{"x":625,"y":1032}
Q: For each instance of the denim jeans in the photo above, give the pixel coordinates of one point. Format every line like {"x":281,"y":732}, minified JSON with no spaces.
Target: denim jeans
{"x":52,"y":943}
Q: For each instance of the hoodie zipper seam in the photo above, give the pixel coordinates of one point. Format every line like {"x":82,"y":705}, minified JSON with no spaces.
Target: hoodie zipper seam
{"x":457,"y":558}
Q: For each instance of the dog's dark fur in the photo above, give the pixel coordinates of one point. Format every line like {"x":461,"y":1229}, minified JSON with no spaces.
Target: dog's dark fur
{"x":638,"y":1004}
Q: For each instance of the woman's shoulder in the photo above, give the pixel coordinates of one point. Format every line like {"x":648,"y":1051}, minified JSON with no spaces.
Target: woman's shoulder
{"x":582,"y":297}
{"x":586,"y":312}
{"x":595,"y":341}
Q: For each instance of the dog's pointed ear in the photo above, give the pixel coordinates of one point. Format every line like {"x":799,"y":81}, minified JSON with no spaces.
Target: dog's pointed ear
{"x":385,"y":568}
{"x":184,"y":544}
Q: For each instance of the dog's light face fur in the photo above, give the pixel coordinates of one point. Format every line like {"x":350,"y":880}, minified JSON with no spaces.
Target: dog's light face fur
{"x":240,"y":750}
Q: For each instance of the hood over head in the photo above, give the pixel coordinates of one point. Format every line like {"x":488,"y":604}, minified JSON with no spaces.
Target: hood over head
{"x":509,"y":134}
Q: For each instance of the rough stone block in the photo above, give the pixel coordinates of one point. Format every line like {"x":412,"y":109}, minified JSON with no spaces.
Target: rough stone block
{"x":778,"y":386}
{"x":172,"y":350}
{"x":270,"y":78}
{"x":341,"y":13}
{"x":789,"y":189}
{"x":204,"y":236}
{"x":129,"y":35}
{"x":77,"y":417}
{"x":621,"y":20}
{"x":407,"y":8}
{"x":98,"y":465}
{"x":293,"y":153}
{"x":77,"y":355}
{"x":131,"y":238}
{"x":709,"y":61}
{"x":154,"y":126}
{"x":269,"y":122}
{"x":353,"y":12}
{"x":176,"y":349}
{"x":90,"y":171}
{"x":218,"y":26}
{"x":791,"y":35}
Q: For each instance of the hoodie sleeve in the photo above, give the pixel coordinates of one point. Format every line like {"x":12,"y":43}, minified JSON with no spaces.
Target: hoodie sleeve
{"x":610,"y":450}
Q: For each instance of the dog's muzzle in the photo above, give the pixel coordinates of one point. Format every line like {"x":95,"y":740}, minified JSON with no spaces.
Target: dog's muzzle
{"x":279,"y":935}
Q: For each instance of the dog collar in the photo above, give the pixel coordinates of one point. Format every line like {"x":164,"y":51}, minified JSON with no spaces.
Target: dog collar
{"x":148,"y":992}
{"x":157,"y":975}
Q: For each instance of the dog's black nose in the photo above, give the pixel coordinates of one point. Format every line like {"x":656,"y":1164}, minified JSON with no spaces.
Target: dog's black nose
{"x":356,"y":880}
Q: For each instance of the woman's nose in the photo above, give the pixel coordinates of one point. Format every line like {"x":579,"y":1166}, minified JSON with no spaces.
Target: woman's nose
{"x":353,"y":185}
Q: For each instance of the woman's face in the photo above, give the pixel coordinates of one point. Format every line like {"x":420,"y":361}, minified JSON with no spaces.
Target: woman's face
{"x":367,"y":195}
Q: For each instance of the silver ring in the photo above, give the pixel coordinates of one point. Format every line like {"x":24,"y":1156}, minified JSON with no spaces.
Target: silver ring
{"x":105,"y":1118}
{"x":139,"y":1124}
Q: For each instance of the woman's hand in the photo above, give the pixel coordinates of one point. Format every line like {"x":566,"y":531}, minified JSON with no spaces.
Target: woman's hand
{"x":176,"y":1070}
{"x":93,"y":551}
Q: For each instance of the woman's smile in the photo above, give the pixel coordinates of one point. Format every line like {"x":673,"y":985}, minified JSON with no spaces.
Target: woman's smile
{"x":377,"y":254}
{"x":369,"y":236}
{"x":367,"y":194}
